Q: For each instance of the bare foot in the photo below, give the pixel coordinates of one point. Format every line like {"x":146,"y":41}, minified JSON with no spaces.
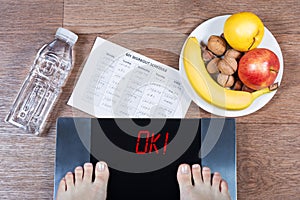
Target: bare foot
{"x":83,"y":187}
{"x":203,"y":188}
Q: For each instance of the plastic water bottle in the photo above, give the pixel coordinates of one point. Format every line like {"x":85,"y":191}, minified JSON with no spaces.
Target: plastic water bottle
{"x":43,"y":84}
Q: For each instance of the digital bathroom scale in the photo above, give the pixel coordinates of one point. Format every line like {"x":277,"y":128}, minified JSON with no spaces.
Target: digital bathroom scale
{"x":143,"y":155}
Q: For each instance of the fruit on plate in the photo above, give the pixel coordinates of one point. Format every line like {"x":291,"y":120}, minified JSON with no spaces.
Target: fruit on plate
{"x":207,"y":88}
{"x":243,"y":31}
{"x":217,"y":45}
{"x":258,"y":68}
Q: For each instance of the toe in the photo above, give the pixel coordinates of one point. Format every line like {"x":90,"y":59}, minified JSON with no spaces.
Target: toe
{"x":184,"y":176}
{"x":216,"y":181}
{"x":224,"y":187}
{"x":61,"y":189}
{"x":196,"y":169}
{"x":206,"y":175}
{"x":78,"y":174}
{"x":88,"y":172}
{"x":62,"y":186}
{"x":69,"y":181}
{"x":101,"y":173}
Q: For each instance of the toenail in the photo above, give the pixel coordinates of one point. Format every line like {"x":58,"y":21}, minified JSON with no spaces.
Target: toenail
{"x":195,"y":166}
{"x":101,"y":167}
{"x":206,"y":169}
{"x":88,"y":164}
{"x":184,"y":169}
{"x":69,"y":174}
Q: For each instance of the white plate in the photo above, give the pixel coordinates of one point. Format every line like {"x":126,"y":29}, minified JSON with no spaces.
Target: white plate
{"x":214,"y":26}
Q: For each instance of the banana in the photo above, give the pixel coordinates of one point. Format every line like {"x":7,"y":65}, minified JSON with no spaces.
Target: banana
{"x":207,"y":88}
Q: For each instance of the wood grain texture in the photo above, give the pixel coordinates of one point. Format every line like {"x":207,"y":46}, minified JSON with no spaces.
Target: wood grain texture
{"x":268,"y":141}
{"x":176,"y":15}
{"x":268,"y":161}
{"x":26,"y":162}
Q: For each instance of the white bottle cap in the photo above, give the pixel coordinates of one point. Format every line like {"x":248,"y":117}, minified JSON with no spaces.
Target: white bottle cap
{"x":66,"y":35}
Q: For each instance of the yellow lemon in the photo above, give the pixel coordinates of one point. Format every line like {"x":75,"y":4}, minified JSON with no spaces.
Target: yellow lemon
{"x":243,"y":31}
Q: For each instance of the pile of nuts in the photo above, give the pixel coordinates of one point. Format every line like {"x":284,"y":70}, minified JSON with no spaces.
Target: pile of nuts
{"x":222,"y":62}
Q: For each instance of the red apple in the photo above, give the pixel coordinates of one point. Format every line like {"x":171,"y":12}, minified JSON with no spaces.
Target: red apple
{"x":258,"y":68}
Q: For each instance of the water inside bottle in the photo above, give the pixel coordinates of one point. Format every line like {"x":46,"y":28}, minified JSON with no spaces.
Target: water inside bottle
{"x":41,"y":89}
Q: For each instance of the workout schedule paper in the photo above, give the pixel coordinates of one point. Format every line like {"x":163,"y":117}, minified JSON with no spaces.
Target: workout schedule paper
{"x":118,"y":82}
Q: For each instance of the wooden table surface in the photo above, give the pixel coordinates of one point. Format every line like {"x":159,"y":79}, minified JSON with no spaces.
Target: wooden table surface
{"x":268,"y":141}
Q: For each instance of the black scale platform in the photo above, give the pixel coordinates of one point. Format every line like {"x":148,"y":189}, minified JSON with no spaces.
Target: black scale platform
{"x":142,"y":168}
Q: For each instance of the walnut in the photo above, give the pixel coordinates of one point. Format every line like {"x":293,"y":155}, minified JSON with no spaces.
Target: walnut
{"x":225,"y":80}
{"x":212,"y":66}
{"x":217,"y":45}
{"x":237,"y":85}
{"x":233,"y":53}
{"x":227,"y":65}
{"x":207,"y":55}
